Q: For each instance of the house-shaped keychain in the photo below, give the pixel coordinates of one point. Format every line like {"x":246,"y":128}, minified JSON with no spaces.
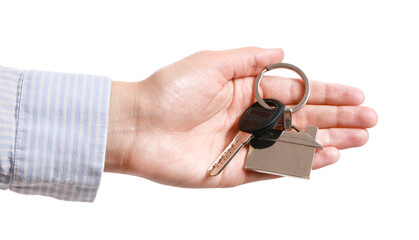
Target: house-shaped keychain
{"x":284,"y":153}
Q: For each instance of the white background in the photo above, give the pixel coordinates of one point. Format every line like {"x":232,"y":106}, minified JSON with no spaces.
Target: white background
{"x":371,"y":193}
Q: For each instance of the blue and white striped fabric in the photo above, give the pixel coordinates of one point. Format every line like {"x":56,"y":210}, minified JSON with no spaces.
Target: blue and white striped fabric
{"x":53,"y":130}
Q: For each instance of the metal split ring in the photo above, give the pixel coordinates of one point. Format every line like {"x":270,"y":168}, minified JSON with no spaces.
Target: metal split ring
{"x":292,"y":68}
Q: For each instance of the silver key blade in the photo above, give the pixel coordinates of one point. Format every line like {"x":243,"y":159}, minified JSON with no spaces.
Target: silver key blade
{"x":241,"y":139}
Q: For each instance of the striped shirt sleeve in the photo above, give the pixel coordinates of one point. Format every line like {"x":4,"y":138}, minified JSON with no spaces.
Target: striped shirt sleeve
{"x":53,"y":133}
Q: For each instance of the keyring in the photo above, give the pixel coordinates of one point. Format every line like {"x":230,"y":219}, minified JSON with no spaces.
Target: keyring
{"x":292,"y":68}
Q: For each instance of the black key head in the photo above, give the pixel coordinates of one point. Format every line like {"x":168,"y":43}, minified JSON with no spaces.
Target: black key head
{"x":259,"y":120}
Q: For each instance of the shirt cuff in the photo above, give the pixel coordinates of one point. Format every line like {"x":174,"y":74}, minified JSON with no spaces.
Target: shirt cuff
{"x":10,"y":84}
{"x":61,"y":135}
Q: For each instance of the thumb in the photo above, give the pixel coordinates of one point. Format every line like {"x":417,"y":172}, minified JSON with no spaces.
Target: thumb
{"x":243,"y":62}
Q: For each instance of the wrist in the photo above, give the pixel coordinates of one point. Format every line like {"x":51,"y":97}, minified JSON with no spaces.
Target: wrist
{"x":122,"y":125}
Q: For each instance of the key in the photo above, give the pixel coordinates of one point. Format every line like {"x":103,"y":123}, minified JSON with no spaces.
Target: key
{"x":255,"y":122}
{"x":284,"y":153}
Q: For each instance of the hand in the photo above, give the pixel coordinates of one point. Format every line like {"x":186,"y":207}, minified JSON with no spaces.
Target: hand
{"x":170,"y":127}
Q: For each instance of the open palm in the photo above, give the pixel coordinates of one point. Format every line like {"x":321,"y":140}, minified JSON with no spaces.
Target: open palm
{"x":187,"y":113}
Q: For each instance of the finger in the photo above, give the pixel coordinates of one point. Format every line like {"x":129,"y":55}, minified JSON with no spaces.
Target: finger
{"x":335,"y":117}
{"x":243,"y":62}
{"x":325,"y":157}
{"x":291,"y":91}
{"x":342,"y":138}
